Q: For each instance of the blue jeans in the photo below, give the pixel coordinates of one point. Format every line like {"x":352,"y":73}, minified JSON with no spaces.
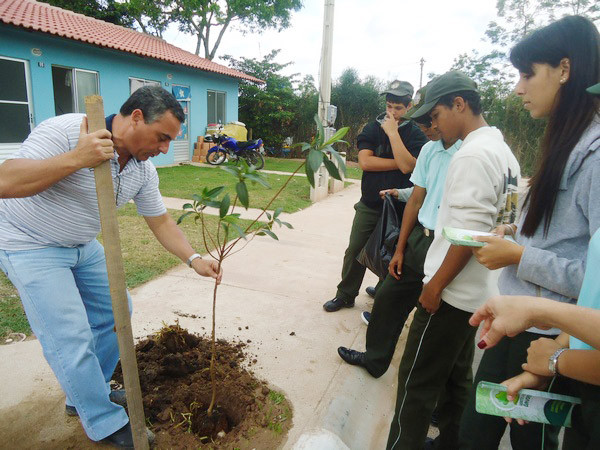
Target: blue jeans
{"x":67,"y":300}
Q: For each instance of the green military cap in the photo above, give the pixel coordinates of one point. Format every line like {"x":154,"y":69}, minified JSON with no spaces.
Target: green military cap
{"x":400,"y":89}
{"x":453,"y":81}
{"x":418,"y":101}
{"x":595,"y":89}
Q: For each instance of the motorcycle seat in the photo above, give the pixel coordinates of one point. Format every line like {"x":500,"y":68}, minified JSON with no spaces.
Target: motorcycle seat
{"x":246,"y":144}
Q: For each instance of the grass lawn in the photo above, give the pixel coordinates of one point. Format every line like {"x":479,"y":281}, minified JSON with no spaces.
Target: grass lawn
{"x":289,"y":165}
{"x":183,"y":181}
{"x":143,"y":259}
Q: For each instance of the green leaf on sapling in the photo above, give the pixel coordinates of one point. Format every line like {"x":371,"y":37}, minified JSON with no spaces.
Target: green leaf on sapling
{"x":270,"y":233}
{"x":332,"y":169}
{"x":213,"y":193}
{"x":224,"y":207}
{"x":310,"y":175}
{"x":314,"y":159}
{"x":183,"y":216}
{"x":242,"y":192}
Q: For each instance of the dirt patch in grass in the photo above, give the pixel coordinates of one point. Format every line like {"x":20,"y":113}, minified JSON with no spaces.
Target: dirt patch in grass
{"x":176,"y":390}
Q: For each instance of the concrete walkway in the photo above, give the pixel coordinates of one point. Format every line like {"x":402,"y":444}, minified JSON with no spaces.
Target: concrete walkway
{"x":272,"y":295}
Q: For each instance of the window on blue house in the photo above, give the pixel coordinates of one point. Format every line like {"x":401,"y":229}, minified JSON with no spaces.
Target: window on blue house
{"x":216,"y":112}
{"x":14,"y":104}
{"x":136,"y":83}
{"x":71,"y":86}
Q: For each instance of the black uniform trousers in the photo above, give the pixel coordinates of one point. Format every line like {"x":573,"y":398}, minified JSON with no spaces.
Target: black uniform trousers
{"x":394,"y":301}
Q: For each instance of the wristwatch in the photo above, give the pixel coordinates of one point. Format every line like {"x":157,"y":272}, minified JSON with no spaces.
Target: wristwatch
{"x":553,"y":361}
{"x":193,"y":257}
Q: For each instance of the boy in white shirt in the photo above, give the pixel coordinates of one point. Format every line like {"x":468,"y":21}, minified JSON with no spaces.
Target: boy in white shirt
{"x":479,"y":194}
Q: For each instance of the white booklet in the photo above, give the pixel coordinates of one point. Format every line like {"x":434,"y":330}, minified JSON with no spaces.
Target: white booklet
{"x":458,"y":236}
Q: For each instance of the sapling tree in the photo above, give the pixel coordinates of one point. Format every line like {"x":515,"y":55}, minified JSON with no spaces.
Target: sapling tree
{"x":230,"y":237}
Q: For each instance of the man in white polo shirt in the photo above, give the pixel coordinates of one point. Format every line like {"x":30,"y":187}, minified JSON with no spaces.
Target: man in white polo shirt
{"x":49,"y":221}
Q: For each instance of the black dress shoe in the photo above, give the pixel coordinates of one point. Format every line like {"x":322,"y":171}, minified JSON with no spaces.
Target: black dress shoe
{"x":429,"y":444}
{"x":117,"y":396}
{"x":123,"y":438}
{"x":371,"y":291}
{"x":352,"y":356}
{"x":336,"y":303}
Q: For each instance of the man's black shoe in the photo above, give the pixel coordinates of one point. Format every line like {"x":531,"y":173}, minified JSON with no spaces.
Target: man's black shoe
{"x":118,"y":396}
{"x":371,"y":291}
{"x":429,"y":444}
{"x":336,"y":303}
{"x":352,"y":356}
{"x":123,"y":437}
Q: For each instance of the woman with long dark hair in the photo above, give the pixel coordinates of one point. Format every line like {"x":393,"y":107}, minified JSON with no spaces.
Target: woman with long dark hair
{"x":561,"y":211}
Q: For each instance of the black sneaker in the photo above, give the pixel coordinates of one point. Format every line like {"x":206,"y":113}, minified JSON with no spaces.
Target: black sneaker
{"x":366,"y":317}
{"x":117,"y":397}
{"x":371,"y":291}
{"x":123,"y":438}
{"x":336,"y":303}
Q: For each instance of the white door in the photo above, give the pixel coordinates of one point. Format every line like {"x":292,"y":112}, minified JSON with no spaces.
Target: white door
{"x":16,"y":118}
{"x":181,"y":145}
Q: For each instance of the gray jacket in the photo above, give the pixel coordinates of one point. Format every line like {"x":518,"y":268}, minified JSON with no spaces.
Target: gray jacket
{"x":553,"y":266}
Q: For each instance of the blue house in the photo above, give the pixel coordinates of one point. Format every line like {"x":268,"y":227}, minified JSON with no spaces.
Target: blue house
{"x":51,"y":58}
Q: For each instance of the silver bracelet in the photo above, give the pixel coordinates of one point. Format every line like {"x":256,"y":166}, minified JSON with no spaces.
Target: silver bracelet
{"x":193,"y":257}
{"x":553,"y":361}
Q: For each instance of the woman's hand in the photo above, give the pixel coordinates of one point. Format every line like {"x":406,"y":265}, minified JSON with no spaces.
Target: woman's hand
{"x":505,"y":315}
{"x":497,"y":252}
{"x":538,"y":355}
{"x":525,"y":380}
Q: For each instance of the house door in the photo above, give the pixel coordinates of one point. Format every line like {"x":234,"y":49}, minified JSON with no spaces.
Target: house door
{"x":16,"y":118}
{"x":181,"y":145}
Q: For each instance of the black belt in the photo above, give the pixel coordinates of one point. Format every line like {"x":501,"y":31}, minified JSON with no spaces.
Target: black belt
{"x":426,"y":231}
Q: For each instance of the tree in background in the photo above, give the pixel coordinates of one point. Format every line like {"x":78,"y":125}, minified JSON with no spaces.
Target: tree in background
{"x":270,"y":110}
{"x":208,"y":20}
{"x":107,"y":10}
{"x":358,"y":102}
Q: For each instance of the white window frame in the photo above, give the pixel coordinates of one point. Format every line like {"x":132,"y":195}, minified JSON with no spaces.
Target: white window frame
{"x":144,"y":81}
{"x":224,"y":121}
{"x":74,"y":71}
{"x":8,"y":148}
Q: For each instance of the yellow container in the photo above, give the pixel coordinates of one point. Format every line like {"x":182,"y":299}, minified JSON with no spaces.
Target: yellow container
{"x":236,"y":130}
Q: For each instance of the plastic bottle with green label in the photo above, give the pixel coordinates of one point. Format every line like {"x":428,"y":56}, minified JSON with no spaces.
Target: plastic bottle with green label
{"x":530,"y":405}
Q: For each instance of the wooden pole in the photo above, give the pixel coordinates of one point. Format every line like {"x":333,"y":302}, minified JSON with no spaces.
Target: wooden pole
{"x":94,"y":108}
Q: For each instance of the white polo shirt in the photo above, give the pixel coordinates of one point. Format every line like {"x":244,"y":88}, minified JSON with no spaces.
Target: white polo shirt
{"x":66,"y":214}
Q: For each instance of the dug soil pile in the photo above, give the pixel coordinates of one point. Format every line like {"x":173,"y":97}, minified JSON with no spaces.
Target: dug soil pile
{"x":174,"y":368}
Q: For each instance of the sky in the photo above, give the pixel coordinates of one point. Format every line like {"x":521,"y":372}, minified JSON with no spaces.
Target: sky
{"x":383,"y":38}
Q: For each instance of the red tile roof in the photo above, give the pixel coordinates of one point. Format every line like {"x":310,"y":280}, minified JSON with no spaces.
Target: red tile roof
{"x":60,"y":22}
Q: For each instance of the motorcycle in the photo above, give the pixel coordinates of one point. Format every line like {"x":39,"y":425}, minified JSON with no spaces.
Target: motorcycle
{"x":228,"y":148}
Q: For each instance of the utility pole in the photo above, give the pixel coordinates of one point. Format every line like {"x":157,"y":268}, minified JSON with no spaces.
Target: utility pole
{"x":421,"y":77}
{"x":320,"y":191}
{"x":325,"y":69}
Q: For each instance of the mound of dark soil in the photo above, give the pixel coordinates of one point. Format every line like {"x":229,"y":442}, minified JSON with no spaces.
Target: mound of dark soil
{"x":174,"y":367}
